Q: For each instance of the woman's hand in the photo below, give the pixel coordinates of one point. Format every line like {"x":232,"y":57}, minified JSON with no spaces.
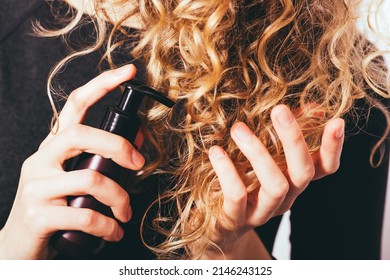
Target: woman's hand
{"x":278,"y":190}
{"x":40,"y":207}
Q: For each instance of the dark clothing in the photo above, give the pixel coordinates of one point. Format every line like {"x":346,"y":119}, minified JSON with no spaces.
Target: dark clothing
{"x":339,"y":217}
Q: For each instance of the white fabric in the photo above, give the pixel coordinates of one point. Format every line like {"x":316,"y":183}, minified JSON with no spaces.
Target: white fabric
{"x":385,"y":253}
{"x":282,"y":245}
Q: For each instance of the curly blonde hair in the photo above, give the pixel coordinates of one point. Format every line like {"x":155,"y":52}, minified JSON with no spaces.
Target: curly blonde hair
{"x":225,"y":61}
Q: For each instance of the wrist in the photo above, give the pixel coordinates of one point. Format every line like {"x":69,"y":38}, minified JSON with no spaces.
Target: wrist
{"x":3,"y":246}
{"x":246,"y":246}
{"x":11,"y":249}
{"x":229,"y":251}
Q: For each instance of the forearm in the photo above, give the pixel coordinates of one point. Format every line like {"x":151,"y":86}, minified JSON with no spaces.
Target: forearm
{"x":247,"y":247}
{"x":2,"y":249}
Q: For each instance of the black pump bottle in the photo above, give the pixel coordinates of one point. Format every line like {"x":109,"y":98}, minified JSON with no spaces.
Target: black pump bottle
{"x":122,"y":120}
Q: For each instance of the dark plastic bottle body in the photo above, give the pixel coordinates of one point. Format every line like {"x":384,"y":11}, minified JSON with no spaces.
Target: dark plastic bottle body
{"x":77,"y":244}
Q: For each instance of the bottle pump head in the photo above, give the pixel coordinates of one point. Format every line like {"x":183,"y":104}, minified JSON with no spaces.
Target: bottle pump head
{"x":134,"y":93}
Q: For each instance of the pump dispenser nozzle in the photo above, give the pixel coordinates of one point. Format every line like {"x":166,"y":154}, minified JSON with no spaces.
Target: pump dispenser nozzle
{"x":134,"y":93}
{"x":122,"y":120}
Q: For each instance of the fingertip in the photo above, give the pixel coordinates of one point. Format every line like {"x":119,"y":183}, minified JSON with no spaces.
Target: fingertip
{"x":127,"y":70}
{"x":336,"y":128}
{"x":241,"y":133}
{"x":216,"y":152}
{"x":119,"y":234}
{"x":132,"y":71}
{"x":339,"y":133}
{"x":115,"y":235}
{"x":235,"y":127}
{"x":282,"y":115}
{"x":278,"y":109}
{"x":137,"y":159}
{"x":121,"y":215}
{"x":128,"y":214}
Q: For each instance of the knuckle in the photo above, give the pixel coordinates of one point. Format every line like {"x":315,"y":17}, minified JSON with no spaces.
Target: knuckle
{"x":333,"y":168}
{"x":261,"y":219}
{"x":91,"y":178}
{"x":43,"y":143}
{"x":124,"y":200}
{"x":77,"y":101}
{"x":31,"y":214}
{"x":120,"y":206}
{"x":306,"y":175}
{"x":112,"y":228}
{"x":296,"y":138}
{"x":257,"y":151}
{"x":284,"y":208}
{"x":122,"y":145}
{"x":29,"y":188}
{"x":310,"y":173}
{"x":41,"y":223}
{"x":280,"y":212}
{"x":73,"y":133}
{"x":279,"y":190}
{"x":87,"y":218}
{"x":237,"y":196}
{"x":34,"y":219}
{"x":28,"y":164}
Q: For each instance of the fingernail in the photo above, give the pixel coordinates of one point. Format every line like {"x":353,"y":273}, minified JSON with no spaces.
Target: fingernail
{"x":284,"y":117}
{"x":242,"y":132}
{"x":339,"y":133}
{"x":216,"y":152}
{"x":129,"y":213}
{"x":121,"y":71}
{"x":119,"y":233}
{"x":137,"y":159}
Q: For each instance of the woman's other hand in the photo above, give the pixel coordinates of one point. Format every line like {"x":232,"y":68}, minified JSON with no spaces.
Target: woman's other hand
{"x":278,"y":190}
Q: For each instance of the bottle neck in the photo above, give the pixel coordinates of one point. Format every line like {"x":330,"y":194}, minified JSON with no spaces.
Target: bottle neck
{"x":118,"y":122}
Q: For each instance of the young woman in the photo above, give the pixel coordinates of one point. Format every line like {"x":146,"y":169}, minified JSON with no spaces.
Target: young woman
{"x":260,"y":87}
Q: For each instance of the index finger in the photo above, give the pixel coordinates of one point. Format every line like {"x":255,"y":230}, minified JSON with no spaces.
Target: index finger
{"x":81,"y":99}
